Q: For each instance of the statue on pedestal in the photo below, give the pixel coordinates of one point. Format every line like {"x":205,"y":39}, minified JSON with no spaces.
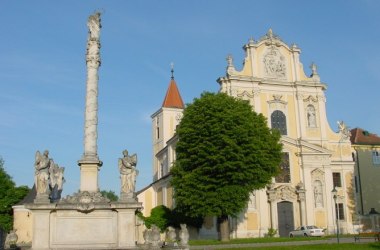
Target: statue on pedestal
{"x":41,"y":178}
{"x":56,"y":181}
{"x":128,"y":172}
{"x":184,"y":236}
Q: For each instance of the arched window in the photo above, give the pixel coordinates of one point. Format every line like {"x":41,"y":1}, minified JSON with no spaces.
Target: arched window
{"x":278,"y":120}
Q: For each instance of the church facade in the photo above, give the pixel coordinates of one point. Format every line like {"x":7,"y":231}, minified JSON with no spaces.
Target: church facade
{"x":315,"y":161}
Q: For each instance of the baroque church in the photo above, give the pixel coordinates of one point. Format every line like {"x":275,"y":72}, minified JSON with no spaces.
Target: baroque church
{"x":316,"y":159}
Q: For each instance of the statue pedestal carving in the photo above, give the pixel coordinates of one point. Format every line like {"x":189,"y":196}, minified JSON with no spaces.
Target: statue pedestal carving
{"x":66,"y":225}
{"x":42,"y":199}
{"x":128,"y":197}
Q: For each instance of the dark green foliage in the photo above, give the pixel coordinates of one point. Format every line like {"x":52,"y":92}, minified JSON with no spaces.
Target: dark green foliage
{"x":162,"y":217}
{"x":110,"y":195}
{"x":224,"y":152}
{"x":179,"y":217}
{"x":9,"y":196}
{"x":159,"y":216}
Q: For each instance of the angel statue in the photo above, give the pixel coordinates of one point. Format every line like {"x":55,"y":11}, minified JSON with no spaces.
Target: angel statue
{"x":128,"y":172}
{"x":344,"y":130}
{"x":56,"y":180}
{"x":41,"y":175}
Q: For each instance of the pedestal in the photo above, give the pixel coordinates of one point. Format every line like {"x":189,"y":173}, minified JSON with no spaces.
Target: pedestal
{"x":105,"y":226}
{"x":89,"y":175}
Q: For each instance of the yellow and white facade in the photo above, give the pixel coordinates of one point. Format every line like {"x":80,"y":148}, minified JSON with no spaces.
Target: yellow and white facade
{"x":316,"y":159}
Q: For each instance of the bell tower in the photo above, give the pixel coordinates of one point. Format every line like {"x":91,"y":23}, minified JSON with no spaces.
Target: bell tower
{"x":165,"y":121}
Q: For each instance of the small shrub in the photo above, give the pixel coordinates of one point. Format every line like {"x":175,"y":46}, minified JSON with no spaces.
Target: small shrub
{"x":271,"y":232}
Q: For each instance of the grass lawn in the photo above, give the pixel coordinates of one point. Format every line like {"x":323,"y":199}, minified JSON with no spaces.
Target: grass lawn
{"x":252,"y":240}
{"x":348,"y":246}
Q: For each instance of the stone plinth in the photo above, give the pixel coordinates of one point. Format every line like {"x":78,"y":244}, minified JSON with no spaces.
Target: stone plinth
{"x":84,"y":225}
{"x":89,"y":175}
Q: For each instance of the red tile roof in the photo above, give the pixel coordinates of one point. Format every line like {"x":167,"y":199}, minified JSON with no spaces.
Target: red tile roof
{"x":173,"y":98}
{"x":363,"y":137}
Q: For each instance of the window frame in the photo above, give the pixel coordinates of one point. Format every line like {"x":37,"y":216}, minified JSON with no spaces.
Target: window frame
{"x":339,"y":206}
{"x":337,"y":183}
{"x":284,"y":171}
{"x":375,"y":157}
{"x":278,"y":121}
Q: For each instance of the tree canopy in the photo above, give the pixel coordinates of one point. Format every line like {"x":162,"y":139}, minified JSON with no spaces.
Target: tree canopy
{"x":9,"y":196}
{"x":224,"y":152}
{"x":111,"y":195}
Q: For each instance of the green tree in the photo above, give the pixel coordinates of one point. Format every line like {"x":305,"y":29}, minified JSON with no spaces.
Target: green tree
{"x":224,"y":152}
{"x":160,"y":216}
{"x":110,"y":195}
{"x":9,"y":196}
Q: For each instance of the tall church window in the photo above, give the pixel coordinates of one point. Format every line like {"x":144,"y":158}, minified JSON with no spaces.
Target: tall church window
{"x":278,"y":120}
{"x":284,"y":176}
{"x":158,"y":128}
{"x":337,"y":180}
{"x":339,"y":211}
{"x":311,"y":118}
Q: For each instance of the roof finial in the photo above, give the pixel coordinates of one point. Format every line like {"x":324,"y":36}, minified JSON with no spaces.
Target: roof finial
{"x":270,"y":33}
{"x":172,"y":69}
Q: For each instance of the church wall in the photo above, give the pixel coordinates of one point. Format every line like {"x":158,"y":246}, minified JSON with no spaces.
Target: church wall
{"x":147,"y":198}
{"x":252,"y":221}
{"x":292,"y":126}
{"x":320,"y":219}
{"x":159,"y":197}
{"x":294,"y":165}
{"x":264,"y":105}
{"x":169,"y":197}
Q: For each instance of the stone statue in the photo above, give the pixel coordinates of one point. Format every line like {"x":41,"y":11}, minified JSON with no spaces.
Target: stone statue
{"x":152,"y":238}
{"x":41,"y":178}
{"x":171,"y":237}
{"x":318,"y":194}
{"x":11,"y":240}
{"x":128,"y":172}
{"x":94,"y":26}
{"x":155,"y":237}
{"x":56,"y":181}
{"x":313,"y":68}
{"x":184,"y":235}
{"x":344,"y":130}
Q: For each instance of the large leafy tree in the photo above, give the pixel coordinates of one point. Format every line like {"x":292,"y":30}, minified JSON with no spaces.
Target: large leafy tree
{"x":224,"y":152}
{"x":9,"y":196}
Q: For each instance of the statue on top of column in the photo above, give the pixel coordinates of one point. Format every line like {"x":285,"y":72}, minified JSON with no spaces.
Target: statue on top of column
{"x":94,"y":26}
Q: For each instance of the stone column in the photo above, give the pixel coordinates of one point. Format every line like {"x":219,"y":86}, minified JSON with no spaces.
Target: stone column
{"x":272,"y":198}
{"x":90,"y":163}
{"x":301,"y":198}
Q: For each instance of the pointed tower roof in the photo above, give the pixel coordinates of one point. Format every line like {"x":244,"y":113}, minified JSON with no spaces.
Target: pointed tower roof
{"x":173,"y":98}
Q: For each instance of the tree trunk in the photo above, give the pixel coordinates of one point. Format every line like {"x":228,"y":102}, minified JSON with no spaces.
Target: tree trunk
{"x":224,"y":228}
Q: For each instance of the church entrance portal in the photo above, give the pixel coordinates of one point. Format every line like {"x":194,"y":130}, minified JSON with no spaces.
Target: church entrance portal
{"x":285,"y":218}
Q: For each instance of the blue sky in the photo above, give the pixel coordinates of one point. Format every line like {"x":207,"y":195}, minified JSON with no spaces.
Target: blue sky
{"x":43,"y":71}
